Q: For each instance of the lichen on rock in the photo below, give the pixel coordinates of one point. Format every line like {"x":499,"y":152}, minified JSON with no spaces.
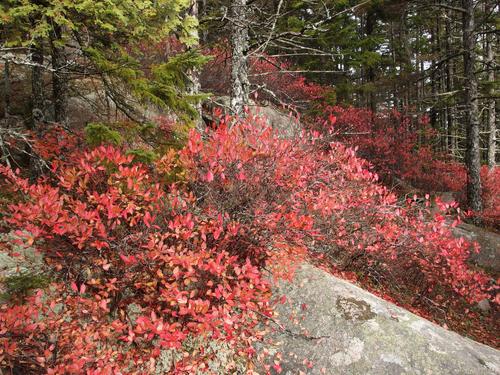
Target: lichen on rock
{"x":347,"y":330}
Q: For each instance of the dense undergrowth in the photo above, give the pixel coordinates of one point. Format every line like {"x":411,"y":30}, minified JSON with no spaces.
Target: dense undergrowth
{"x":268,"y":80}
{"x":399,"y":146}
{"x":404,"y":148}
{"x":144,"y":257}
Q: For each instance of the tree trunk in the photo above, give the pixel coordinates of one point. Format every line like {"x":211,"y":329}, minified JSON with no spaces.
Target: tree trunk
{"x":490,"y":59}
{"x":434,"y":80}
{"x":59,"y":78}
{"x":194,"y":74}
{"x":240,"y":85}
{"x":4,"y":154}
{"x":443,"y":74}
{"x":37,"y":95}
{"x":473,"y":156}
{"x":203,"y":13}
{"x":6,"y":89}
{"x":392,"y":44}
{"x":37,"y":107}
{"x":369,"y":30}
{"x":450,"y":107}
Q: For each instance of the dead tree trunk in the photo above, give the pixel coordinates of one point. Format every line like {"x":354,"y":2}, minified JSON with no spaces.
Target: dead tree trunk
{"x":240,"y":86}
{"x":450,"y":108}
{"x":203,"y":13}
{"x":4,"y":154}
{"x":194,"y":74}
{"x":37,"y":95}
{"x":473,"y":155}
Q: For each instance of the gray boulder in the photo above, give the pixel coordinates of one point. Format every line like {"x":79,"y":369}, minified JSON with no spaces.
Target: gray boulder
{"x":28,"y":260}
{"x":328,"y":326}
{"x":489,"y":254}
{"x":285,"y":125}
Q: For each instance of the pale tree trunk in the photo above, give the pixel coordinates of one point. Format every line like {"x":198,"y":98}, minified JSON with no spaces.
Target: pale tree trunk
{"x":4,"y":154}
{"x":491,"y":102}
{"x":59,"y":79}
{"x":473,"y":156}
{"x":203,"y":12}
{"x":434,"y":90}
{"x":194,"y":74}
{"x":443,"y":121}
{"x":240,"y":85}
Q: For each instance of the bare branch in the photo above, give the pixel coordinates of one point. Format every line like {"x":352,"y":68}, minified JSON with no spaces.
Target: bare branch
{"x":298,"y":71}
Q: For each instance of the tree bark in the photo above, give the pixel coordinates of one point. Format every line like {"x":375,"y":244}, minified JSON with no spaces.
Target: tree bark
{"x":203,"y":13}
{"x":4,"y":154}
{"x":194,"y":74}
{"x":369,"y":30}
{"x":6,"y":89}
{"x":59,"y":78}
{"x":490,"y":60}
{"x":434,"y":72}
{"x":473,"y":156}
{"x":450,"y":108}
{"x":37,"y":107}
{"x":37,"y":94}
{"x":240,"y":85}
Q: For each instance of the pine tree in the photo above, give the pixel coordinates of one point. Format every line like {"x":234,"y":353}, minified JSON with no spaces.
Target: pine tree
{"x":104,"y":37}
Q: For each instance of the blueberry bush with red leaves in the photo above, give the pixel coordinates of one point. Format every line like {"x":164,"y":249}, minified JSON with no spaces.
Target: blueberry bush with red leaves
{"x":319,"y":195}
{"x":115,"y":237}
{"x":397,"y":145}
{"x":196,"y":257}
{"x":402,"y":147}
{"x":267,"y":78}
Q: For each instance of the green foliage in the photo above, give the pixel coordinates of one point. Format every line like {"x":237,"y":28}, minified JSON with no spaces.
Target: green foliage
{"x":97,"y":134}
{"x":143,"y":156}
{"x":110,"y":35}
{"x":297,"y":4}
{"x":330,"y":97}
{"x":294,"y":23}
{"x":115,"y":20}
{"x":168,"y":85}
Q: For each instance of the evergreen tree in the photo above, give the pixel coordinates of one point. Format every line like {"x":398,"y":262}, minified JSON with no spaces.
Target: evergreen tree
{"x":102,"y":39}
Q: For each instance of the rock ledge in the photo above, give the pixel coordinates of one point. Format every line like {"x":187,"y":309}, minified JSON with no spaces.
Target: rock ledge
{"x":342,"y":329}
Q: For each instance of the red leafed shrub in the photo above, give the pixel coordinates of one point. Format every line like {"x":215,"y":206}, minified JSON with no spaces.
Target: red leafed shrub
{"x":322,"y":187}
{"x":266,"y":76}
{"x":54,"y":142}
{"x":117,"y":238}
{"x":389,"y":140}
{"x":190,"y":257}
{"x":401,"y":147}
{"x":491,"y":196}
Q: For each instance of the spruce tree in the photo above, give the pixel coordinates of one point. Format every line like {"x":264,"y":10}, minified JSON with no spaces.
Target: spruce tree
{"x":102,"y":39}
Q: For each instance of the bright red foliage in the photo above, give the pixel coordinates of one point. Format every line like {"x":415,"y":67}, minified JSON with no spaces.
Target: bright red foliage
{"x":120,"y":239}
{"x":191,"y":256}
{"x":320,"y":187}
{"x":266,"y":75}
{"x":401,"y":147}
